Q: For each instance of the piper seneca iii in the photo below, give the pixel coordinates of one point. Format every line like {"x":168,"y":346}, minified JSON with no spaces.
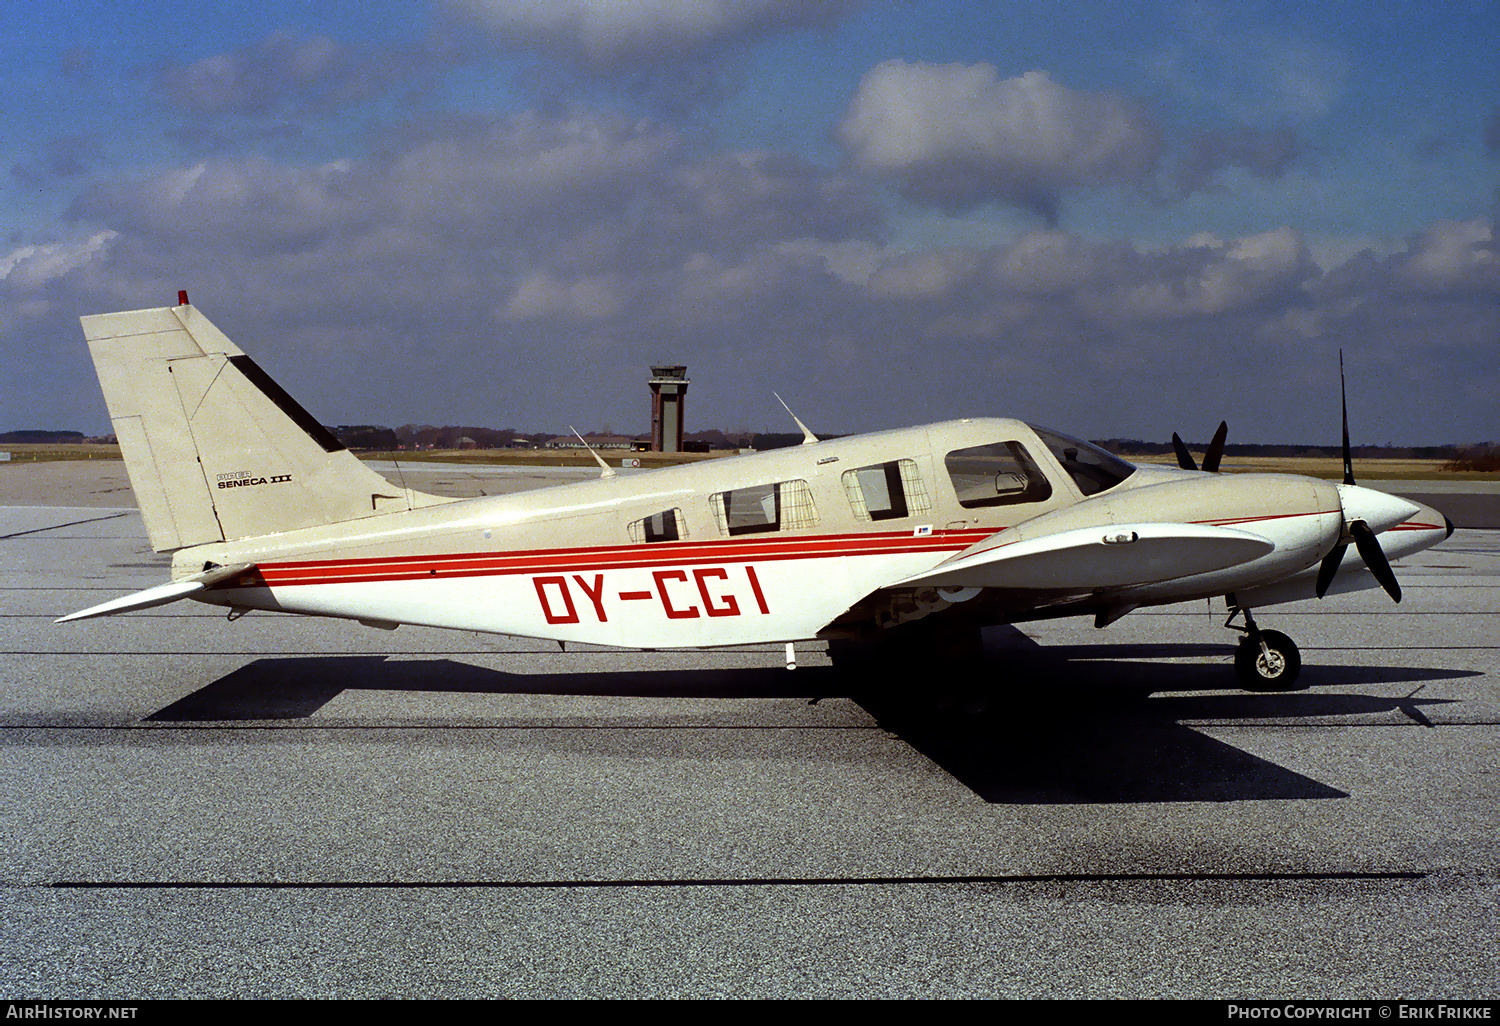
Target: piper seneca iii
{"x":923,"y":532}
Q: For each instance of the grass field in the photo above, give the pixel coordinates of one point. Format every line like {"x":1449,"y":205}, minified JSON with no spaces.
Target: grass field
{"x":1332,"y":468}
{"x":1318,"y":466}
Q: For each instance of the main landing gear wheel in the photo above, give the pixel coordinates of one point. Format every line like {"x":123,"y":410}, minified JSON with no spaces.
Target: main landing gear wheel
{"x":1273,"y":667}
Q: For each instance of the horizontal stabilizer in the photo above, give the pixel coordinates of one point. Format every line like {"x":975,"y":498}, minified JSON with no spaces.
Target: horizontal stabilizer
{"x":159,"y":595}
{"x":1107,"y":556}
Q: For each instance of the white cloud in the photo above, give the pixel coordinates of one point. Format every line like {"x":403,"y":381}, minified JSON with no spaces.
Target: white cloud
{"x":1258,"y":271}
{"x":36,"y":283}
{"x":30,"y":267}
{"x":476,"y":251}
{"x":1452,"y":256}
{"x":607,"y":30}
{"x":257,"y":203}
{"x":477,"y":179}
{"x":285,"y":71}
{"x":1108,"y":283}
{"x":914,"y":275}
{"x":1047,"y":263}
{"x":540,"y":296}
{"x":957,"y":135}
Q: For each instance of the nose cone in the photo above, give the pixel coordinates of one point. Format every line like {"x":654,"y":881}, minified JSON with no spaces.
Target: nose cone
{"x":1381,"y":511}
{"x":1422,"y":530}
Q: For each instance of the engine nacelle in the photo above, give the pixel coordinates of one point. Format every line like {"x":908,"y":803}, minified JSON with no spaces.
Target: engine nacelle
{"x":1300,"y":516}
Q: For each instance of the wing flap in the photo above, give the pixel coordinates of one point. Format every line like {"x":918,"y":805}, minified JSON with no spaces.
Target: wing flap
{"x":159,"y":595}
{"x":1107,"y":556}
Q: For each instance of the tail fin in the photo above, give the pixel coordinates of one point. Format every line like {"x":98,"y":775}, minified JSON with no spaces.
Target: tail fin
{"x":214,"y":448}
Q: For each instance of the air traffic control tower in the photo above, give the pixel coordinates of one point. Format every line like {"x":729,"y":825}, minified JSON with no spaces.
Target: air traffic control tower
{"x":668,"y":387}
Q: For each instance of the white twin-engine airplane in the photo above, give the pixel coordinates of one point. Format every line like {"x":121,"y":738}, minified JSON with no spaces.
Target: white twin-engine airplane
{"x":934,"y":531}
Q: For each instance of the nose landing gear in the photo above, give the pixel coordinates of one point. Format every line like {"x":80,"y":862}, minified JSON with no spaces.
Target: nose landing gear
{"x":1264,"y":660}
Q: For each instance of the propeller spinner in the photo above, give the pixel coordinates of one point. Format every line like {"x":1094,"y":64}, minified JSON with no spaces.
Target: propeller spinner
{"x":1366,"y":513}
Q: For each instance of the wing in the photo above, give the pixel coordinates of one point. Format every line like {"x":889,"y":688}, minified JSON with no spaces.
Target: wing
{"x":1108,"y":556}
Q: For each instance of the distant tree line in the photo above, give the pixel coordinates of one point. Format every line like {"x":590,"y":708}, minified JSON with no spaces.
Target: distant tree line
{"x":34,"y":437}
{"x":1484,"y":456}
{"x":1136,"y":447}
{"x":428,"y":436}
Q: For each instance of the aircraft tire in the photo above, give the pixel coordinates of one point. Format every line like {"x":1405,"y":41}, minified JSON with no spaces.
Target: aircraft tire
{"x":1279,"y":673}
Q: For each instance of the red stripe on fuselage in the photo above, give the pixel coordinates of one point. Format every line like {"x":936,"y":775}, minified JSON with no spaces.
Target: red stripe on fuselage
{"x":646,"y":556}
{"x":530,"y":561}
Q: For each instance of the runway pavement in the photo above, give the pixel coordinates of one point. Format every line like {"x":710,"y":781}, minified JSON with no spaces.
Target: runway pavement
{"x":285,"y":807}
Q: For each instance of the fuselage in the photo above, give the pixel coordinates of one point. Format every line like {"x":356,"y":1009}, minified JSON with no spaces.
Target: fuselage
{"x":775,"y":546}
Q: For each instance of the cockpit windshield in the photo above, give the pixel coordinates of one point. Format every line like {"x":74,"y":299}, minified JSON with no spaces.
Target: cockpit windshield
{"x":1090,"y":467}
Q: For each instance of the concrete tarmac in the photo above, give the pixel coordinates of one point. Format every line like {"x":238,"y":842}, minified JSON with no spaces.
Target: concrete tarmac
{"x":292,"y":807}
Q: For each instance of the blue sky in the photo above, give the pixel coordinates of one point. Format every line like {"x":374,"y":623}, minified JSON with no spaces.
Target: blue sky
{"x":1121,"y":219}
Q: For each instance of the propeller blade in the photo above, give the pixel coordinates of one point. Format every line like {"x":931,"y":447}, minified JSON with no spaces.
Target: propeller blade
{"x":1216,"y":448}
{"x":1184,"y":458}
{"x":1344,"y":404}
{"x":1374,"y":557}
{"x":1330,"y":567}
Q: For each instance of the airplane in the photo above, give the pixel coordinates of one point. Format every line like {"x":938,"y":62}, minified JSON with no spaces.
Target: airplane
{"x":925,"y":534}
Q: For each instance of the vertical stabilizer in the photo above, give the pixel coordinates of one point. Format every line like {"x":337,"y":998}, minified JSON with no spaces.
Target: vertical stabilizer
{"x":215,"y":449}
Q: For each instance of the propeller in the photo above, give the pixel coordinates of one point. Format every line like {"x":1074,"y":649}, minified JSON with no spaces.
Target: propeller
{"x":1211,"y":456}
{"x":1369,"y":551}
{"x":1352,"y":498}
{"x":1344,"y":409}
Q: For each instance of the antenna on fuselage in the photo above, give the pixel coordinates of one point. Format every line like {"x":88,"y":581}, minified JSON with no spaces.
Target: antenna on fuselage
{"x":808,"y":438}
{"x":605,"y":470}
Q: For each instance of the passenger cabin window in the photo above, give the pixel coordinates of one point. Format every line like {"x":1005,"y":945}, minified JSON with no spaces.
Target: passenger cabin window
{"x":886,"y":491}
{"x":1092,"y":469}
{"x":761,"y":508}
{"x":668,"y":525}
{"x":999,"y":474}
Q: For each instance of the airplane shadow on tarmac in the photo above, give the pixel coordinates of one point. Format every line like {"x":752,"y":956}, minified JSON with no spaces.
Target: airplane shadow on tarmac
{"x":1062,"y":725}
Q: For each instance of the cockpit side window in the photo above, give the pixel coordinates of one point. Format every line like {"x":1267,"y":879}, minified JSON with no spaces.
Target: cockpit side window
{"x":1090,"y":467}
{"x":998,"y":474}
{"x":886,"y":491}
{"x":768,"y":507}
{"x":668,"y":525}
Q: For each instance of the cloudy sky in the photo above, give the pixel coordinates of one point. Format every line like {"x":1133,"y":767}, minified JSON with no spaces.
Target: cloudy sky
{"x":1119,"y":219}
